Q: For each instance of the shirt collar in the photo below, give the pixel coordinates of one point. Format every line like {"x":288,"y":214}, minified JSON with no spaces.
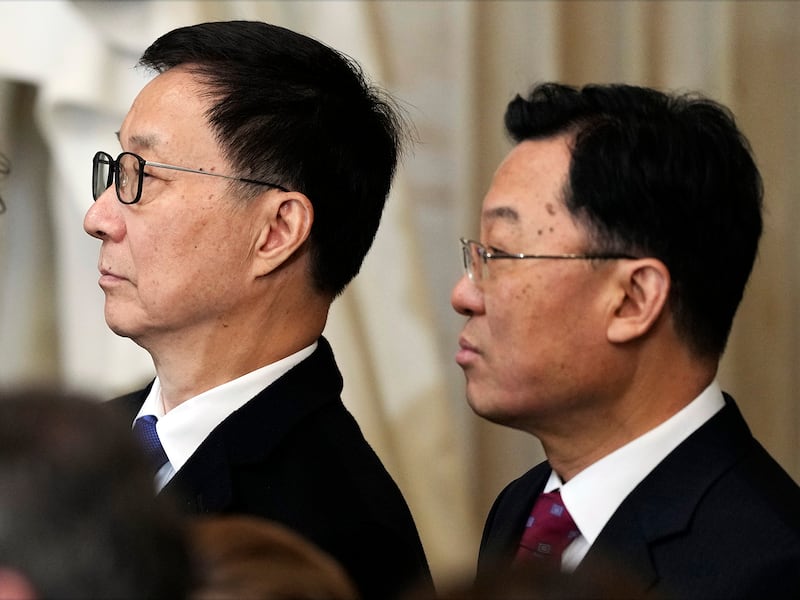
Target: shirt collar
{"x":184,"y":428}
{"x":594,"y":494}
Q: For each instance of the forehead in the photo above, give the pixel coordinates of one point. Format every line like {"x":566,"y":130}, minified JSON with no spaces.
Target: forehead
{"x":168,"y":118}
{"x":528,"y":184}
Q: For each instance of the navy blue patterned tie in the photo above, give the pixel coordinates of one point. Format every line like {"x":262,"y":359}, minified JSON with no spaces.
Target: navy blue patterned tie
{"x":145,"y":431}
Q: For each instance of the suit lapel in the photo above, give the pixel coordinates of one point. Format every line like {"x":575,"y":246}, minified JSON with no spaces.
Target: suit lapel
{"x":250,"y":434}
{"x":663,"y":504}
{"x":507,"y":519}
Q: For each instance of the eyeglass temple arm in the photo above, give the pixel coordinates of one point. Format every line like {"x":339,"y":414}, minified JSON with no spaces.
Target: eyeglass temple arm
{"x":188,"y":170}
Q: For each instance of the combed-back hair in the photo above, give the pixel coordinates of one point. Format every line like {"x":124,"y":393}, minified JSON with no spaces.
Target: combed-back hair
{"x":289,"y":109}
{"x":663,"y":175}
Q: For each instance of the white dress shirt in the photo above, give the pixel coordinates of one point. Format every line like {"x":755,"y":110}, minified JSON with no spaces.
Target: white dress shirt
{"x":594,"y":494}
{"x":184,"y":428}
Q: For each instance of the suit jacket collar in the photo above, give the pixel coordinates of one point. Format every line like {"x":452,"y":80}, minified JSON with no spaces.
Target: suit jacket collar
{"x":660,"y":506}
{"x":249,"y":434}
{"x":503,"y":525}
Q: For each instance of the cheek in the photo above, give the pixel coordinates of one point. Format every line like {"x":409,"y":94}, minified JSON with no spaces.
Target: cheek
{"x":531,"y":324}
{"x":163,"y":258}
{"x":512,"y":311}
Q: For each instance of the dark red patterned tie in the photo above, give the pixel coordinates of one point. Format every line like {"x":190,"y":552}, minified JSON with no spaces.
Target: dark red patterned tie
{"x":550,"y":529}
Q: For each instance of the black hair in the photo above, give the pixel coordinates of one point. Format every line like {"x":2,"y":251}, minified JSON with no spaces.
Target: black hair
{"x":289,"y":109}
{"x":662,"y":175}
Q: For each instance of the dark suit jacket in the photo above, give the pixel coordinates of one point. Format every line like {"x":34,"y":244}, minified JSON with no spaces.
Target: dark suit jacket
{"x":294,"y":454}
{"x":717,"y":518}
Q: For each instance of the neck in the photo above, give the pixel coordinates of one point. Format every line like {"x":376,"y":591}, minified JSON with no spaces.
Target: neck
{"x":658,"y":392}
{"x":192,"y":361}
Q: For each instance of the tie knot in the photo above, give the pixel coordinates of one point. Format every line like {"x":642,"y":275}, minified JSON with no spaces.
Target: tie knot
{"x":144,"y":429}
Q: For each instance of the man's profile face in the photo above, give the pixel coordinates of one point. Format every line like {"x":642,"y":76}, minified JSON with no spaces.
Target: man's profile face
{"x":529,"y":348}
{"x":177,"y":260}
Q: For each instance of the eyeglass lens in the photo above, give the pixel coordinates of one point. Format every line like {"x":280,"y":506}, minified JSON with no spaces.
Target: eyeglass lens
{"x":127,"y":169}
{"x":471,"y":258}
{"x":102,"y":176}
{"x":128,"y":177}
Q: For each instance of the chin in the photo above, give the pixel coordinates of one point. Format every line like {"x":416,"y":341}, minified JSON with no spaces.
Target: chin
{"x":124,"y":318}
{"x":120,"y":326}
{"x":496,"y":411}
{"x":119,"y":330}
{"x":484,"y":407}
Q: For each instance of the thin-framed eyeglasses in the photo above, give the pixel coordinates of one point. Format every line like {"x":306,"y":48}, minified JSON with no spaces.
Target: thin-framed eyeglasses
{"x":127,"y":172}
{"x":477,"y":256}
{"x":5,"y":169}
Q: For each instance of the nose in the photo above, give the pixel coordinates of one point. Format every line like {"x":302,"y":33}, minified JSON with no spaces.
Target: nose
{"x":103,"y":220}
{"x":466,"y":297}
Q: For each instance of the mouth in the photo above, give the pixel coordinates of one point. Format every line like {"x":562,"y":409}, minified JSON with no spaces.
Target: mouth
{"x":109,"y":278}
{"x":467,"y":352}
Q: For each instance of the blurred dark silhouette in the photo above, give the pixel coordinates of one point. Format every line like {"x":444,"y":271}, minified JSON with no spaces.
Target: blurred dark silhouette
{"x":249,"y":557}
{"x":539,"y":581}
{"x":78,"y":518}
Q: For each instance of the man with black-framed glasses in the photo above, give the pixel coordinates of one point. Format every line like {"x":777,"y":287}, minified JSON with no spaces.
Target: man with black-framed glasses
{"x":615,"y":243}
{"x":251,"y":182}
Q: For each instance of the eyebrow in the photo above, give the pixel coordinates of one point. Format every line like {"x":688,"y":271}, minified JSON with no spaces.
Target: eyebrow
{"x":504,"y":213}
{"x":148,"y":142}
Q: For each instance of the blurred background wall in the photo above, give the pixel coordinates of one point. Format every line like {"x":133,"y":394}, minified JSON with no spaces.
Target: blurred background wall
{"x":67,"y":78}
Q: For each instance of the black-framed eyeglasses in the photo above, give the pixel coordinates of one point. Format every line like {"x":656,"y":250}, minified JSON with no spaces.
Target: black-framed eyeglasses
{"x":477,"y":256}
{"x":127,"y":172}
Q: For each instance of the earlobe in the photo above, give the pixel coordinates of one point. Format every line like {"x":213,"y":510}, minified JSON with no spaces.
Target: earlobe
{"x":643,"y":287}
{"x":286,"y":227}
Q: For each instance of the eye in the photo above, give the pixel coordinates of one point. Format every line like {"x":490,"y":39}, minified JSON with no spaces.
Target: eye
{"x":495,"y":251}
{"x":152,"y":173}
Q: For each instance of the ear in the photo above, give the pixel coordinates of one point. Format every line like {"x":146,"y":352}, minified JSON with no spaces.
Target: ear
{"x":642,"y":288}
{"x":286,"y":225}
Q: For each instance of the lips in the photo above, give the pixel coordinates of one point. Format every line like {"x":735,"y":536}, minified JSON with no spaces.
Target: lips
{"x":467,"y":352}
{"x":110,"y":278}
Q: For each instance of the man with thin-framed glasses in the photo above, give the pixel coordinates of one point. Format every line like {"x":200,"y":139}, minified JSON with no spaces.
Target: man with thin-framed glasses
{"x":253,"y":174}
{"x":615,"y":243}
